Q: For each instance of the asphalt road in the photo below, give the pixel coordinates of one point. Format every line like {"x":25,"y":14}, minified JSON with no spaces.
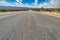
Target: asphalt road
{"x":29,"y":26}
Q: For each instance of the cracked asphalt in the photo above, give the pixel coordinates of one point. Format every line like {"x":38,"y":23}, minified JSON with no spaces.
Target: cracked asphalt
{"x":29,"y":26}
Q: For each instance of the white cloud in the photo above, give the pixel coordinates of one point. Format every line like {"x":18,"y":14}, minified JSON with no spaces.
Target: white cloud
{"x":4,"y":3}
{"x":36,"y":1}
{"x":51,"y":4}
{"x":2,"y":0}
{"x":18,"y":3}
{"x":55,"y":2}
{"x":43,"y":5}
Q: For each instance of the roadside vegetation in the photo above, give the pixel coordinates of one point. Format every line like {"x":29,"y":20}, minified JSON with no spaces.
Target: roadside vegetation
{"x":35,"y":9}
{"x":4,"y":10}
{"x":51,"y":10}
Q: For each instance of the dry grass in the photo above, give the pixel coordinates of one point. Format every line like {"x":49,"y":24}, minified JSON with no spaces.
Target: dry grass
{"x":53,"y":13}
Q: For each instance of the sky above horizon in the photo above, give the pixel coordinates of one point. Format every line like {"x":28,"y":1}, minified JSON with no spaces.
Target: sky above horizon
{"x":31,"y":3}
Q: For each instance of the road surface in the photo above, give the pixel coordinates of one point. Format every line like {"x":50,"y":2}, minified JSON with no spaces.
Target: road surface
{"x":29,"y":26}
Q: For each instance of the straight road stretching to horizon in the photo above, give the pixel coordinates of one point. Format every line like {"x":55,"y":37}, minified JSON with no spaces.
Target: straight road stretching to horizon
{"x":29,"y":26}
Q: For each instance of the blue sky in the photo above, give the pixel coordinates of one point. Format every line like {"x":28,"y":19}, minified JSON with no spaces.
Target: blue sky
{"x":31,"y":3}
{"x":10,"y":1}
{"x":28,"y":1}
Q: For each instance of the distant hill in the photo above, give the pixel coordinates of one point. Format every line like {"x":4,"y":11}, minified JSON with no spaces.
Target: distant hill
{"x":12,"y":8}
{"x":27,"y":8}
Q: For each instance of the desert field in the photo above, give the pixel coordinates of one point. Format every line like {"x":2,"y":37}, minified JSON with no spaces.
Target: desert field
{"x":29,"y":25}
{"x":51,"y":12}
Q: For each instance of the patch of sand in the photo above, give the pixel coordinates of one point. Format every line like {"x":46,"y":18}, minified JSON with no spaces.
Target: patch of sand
{"x":55,"y":14}
{"x":1,"y":13}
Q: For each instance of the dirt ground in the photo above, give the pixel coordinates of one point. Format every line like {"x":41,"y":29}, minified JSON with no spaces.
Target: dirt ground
{"x":55,"y":14}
